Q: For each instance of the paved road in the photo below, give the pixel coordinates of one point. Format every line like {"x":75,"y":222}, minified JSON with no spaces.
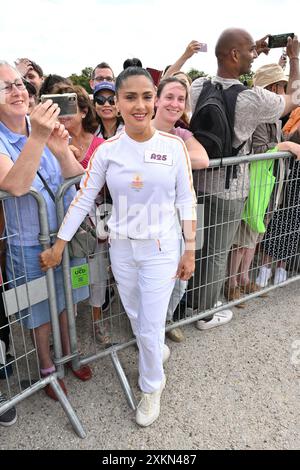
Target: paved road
{"x":233,"y":387}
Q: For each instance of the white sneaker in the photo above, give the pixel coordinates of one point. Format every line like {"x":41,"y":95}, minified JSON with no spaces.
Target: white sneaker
{"x":264,"y":276}
{"x":176,"y":335}
{"x":149,"y":407}
{"x":280,"y":276}
{"x":166,"y":353}
{"x":219,"y":318}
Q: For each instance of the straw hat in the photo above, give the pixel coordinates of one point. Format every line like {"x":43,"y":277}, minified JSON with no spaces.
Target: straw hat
{"x":268,"y":74}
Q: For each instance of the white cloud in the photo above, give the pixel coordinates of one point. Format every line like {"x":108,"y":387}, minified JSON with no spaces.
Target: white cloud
{"x":65,"y":36}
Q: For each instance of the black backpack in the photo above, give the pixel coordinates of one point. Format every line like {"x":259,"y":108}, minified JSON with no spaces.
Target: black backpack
{"x":213,"y":121}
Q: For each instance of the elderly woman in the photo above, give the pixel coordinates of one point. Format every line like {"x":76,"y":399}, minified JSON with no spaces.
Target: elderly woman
{"x":27,"y":146}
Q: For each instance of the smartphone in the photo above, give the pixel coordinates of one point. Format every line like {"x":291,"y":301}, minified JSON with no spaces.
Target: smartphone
{"x":279,"y":40}
{"x":203,"y":47}
{"x":155,"y":74}
{"x":66,"y":101}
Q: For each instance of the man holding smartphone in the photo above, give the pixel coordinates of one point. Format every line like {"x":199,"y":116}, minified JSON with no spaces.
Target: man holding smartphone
{"x":223,"y":207}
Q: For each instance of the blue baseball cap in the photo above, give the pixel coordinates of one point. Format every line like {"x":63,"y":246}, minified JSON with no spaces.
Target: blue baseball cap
{"x":104,"y":86}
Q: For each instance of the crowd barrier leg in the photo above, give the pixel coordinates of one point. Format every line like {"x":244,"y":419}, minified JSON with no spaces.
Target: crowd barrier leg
{"x":123,"y":380}
{"x":24,"y":296}
{"x":67,"y":407}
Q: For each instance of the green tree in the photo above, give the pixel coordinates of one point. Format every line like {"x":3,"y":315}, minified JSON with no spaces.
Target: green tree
{"x":194,"y":73}
{"x":247,"y":78}
{"x":83,"y":79}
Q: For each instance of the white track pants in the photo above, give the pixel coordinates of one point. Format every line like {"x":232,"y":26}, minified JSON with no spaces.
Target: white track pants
{"x":144,"y":271}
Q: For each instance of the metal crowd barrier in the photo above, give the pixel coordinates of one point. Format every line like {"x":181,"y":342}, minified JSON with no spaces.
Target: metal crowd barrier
{"x":220,"y":212}
{"x":221,"y":235}
{"x":114,"y":322}
{"x":19,"y":367}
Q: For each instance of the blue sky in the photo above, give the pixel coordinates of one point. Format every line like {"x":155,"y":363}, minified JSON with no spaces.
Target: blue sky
{"x":64,"y":36}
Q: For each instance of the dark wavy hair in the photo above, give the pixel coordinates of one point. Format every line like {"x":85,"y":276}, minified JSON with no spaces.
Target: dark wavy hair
{"x":131,"y":72}
{"x":134,"y":62}
{"x":89,"y":122}
{"x":50,"y":82}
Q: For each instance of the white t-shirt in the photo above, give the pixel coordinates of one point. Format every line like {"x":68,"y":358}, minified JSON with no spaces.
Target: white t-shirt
{"x":147,"y":182}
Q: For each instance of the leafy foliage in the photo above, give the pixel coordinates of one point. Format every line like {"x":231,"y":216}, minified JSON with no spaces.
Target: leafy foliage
{"x":194,"y":73}
{"x":83,"y":79}
{"x":247,"y":78}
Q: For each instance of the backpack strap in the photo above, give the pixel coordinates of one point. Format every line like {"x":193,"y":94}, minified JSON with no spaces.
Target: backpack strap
{"x":230,"y":98}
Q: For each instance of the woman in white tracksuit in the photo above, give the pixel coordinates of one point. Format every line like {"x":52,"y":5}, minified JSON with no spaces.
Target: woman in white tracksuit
{"x":149,"y":176}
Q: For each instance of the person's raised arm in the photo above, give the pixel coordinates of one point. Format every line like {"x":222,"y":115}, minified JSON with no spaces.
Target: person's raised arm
{"x":292,"y":98}
{"x":262,"y":45}
{"x":292,"y":51}
{"x":16,"y":178}
{"x":192,"y":48}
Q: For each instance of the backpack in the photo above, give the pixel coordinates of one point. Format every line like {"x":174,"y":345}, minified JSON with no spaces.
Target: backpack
{"x":212,"y":122}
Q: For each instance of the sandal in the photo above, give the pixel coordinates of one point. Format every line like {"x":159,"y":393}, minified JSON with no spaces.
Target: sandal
{"x":249,"y":288}
{"x":234,"y":293}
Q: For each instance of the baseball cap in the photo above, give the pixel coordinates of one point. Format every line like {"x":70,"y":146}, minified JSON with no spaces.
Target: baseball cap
{"x":104,"y":86}
{"x":269,"y":74}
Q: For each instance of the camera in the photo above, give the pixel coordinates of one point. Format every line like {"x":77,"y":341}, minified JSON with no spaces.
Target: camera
{"x":67,"y":103}
{"x":279,"y":40}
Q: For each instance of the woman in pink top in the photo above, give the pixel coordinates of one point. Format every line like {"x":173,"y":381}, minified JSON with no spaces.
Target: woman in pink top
{"x":171,"y":102}
{"x":81,"y":128}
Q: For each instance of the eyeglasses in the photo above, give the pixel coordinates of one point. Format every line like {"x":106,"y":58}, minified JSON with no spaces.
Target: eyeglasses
{"x":101,"y":100}
{"x":100,"y":78}
{"x":9,"y":86}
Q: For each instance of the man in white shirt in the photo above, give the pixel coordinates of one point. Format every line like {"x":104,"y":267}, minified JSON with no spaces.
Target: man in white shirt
{"x":235,"y":52}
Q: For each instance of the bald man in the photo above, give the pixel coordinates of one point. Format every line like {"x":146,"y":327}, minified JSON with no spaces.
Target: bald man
{"x":235,"y":52}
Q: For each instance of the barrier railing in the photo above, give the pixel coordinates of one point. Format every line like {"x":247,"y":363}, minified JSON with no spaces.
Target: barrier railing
{"x":20,"y":371}
{"x":223,"y":244}
{"x":223,"y":272}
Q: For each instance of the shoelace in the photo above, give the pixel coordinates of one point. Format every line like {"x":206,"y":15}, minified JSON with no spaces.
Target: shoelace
{"x":3,"y":398}
{"x":145,"y":404}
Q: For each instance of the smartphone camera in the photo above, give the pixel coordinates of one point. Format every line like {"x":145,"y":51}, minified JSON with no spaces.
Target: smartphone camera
{"x":279,"y":40}
{"x":67,"y":103}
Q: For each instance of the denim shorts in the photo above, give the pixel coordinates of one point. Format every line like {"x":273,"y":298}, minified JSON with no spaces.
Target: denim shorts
{"x":22,"y":264}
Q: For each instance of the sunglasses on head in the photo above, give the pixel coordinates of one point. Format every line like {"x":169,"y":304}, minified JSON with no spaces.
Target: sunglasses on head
{"x":101,"y":100}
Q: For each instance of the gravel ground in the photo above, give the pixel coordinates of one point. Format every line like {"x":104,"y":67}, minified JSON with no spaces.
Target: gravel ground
{"x":234,"y":387}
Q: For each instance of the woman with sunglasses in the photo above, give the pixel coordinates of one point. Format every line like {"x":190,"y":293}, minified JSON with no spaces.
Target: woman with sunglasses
{"x":148,"y":174}
{"x":110,"y":123}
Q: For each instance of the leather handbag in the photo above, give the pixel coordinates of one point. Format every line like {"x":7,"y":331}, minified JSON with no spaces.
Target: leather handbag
{"x":84,"y":242}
